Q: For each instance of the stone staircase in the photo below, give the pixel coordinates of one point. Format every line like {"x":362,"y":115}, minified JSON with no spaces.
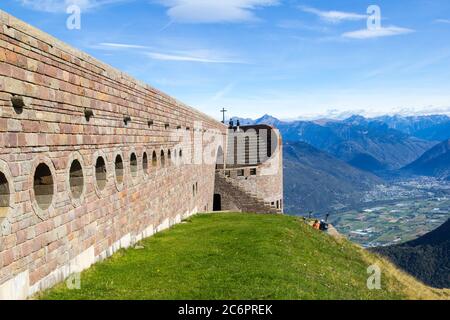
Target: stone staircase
{"x":246,"y":202}
{"x":242,"y":186}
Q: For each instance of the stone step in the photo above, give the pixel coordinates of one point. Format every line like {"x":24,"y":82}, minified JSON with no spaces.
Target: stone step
{"x":249,"y":202}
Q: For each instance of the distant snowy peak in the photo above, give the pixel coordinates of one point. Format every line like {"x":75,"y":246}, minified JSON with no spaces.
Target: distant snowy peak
{"x":266,"y":119}
{"x":430,"y":127}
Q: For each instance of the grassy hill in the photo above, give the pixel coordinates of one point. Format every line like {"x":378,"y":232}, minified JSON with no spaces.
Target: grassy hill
{"x":242,"y":256}
{"x":427,"y":258}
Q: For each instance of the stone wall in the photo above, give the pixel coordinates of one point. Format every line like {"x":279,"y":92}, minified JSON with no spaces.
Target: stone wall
{"x":254,"y":164}
{"x":232,"y":197}
{"x":63,"y":115}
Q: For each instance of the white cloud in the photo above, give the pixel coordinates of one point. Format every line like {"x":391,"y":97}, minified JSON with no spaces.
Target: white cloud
{"x":315,"y":104}
{"x":445,"y":21}
{"x":58,"y":6}
{"x":189,"y":57}
{"x":213,"y":11}
{"x":377,"y":32}
{"x":223,"y":92}
{"x":122,"y":45}
{"x":336,"y":114}
{"x":203,"y":56}
{"x":434,"y":59}
{"x":334,"y":16}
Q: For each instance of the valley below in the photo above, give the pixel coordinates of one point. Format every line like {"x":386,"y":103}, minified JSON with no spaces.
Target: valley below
{"x":396,"y":212}
{"x":383,"y":181}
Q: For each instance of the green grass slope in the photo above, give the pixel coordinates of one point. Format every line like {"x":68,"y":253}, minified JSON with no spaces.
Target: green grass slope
{"x":240,"y":256}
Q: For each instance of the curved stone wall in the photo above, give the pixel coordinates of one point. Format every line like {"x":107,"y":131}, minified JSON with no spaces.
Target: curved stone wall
{"x":254,"y":164}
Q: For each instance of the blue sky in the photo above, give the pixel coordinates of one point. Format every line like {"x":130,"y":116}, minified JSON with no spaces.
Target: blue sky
{"x":286,"y":58}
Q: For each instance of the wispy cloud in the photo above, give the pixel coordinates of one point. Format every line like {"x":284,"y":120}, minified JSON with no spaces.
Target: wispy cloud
{"x":337,"y":114}
{"x":377,"y":32}
{"x":435,"y":59}
{"x":122,"y":45}
{"x":189,"y":58}
{"x":445,"y":21}
{"x":58,"y":6}
{"x":386,"y":69}
{"x":214,"y":11}
{"x":334,"y":16}
{"x":203,"y":56}
{"x":223,"y":92}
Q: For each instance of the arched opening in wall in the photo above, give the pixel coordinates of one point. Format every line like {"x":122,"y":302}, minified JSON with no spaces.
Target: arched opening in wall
{"x":4,"y":196}
{"x":76,"y":179}
{"x":43,"y":186}
{"x":220,"y":169}
{"x":133,"y":164}
{"x":119,"y":169}
{"x":270,"y":143}
{"x":220,"y":159}
{"x":176,"y":160}
{"x":145,"y":163}
{"x":169,"y":157}
{"x":18,"y":104}
{"x":163,"y":159}
{"x":154,"y":159}
{"x":180,"y":153}
{"x":100,"y":173}
{"x":247,"y":150}
{"x":217,"y":203}
{"x":235,"y":151}
{"x":193,"y":190}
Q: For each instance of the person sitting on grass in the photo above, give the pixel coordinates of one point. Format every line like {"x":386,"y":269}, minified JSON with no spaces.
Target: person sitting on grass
{"x":323,"y":225}
{"x":316,"y":225}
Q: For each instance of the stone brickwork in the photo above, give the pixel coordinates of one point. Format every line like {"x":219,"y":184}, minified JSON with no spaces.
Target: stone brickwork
{"x":58,"y":106}
{"x":236,"y":199}
{"x":254,"y":166}
{"x":92,"y":160}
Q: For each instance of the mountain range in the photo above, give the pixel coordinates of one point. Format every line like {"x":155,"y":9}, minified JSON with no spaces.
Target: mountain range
{"x":435,"y":162}
{"x":427,"y":258}
{"x":316,"y":181}
{"x":432,"y":128}
{"x":329,"y":163}
{"x":384,"y":143}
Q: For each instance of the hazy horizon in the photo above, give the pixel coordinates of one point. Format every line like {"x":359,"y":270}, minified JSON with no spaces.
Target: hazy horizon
{"x":347,"y":114}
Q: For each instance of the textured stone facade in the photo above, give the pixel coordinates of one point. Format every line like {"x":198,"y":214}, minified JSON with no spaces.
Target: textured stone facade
{"x":59,"y":88}
{"x":254,"y":166}
{"x":91,"y":160}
